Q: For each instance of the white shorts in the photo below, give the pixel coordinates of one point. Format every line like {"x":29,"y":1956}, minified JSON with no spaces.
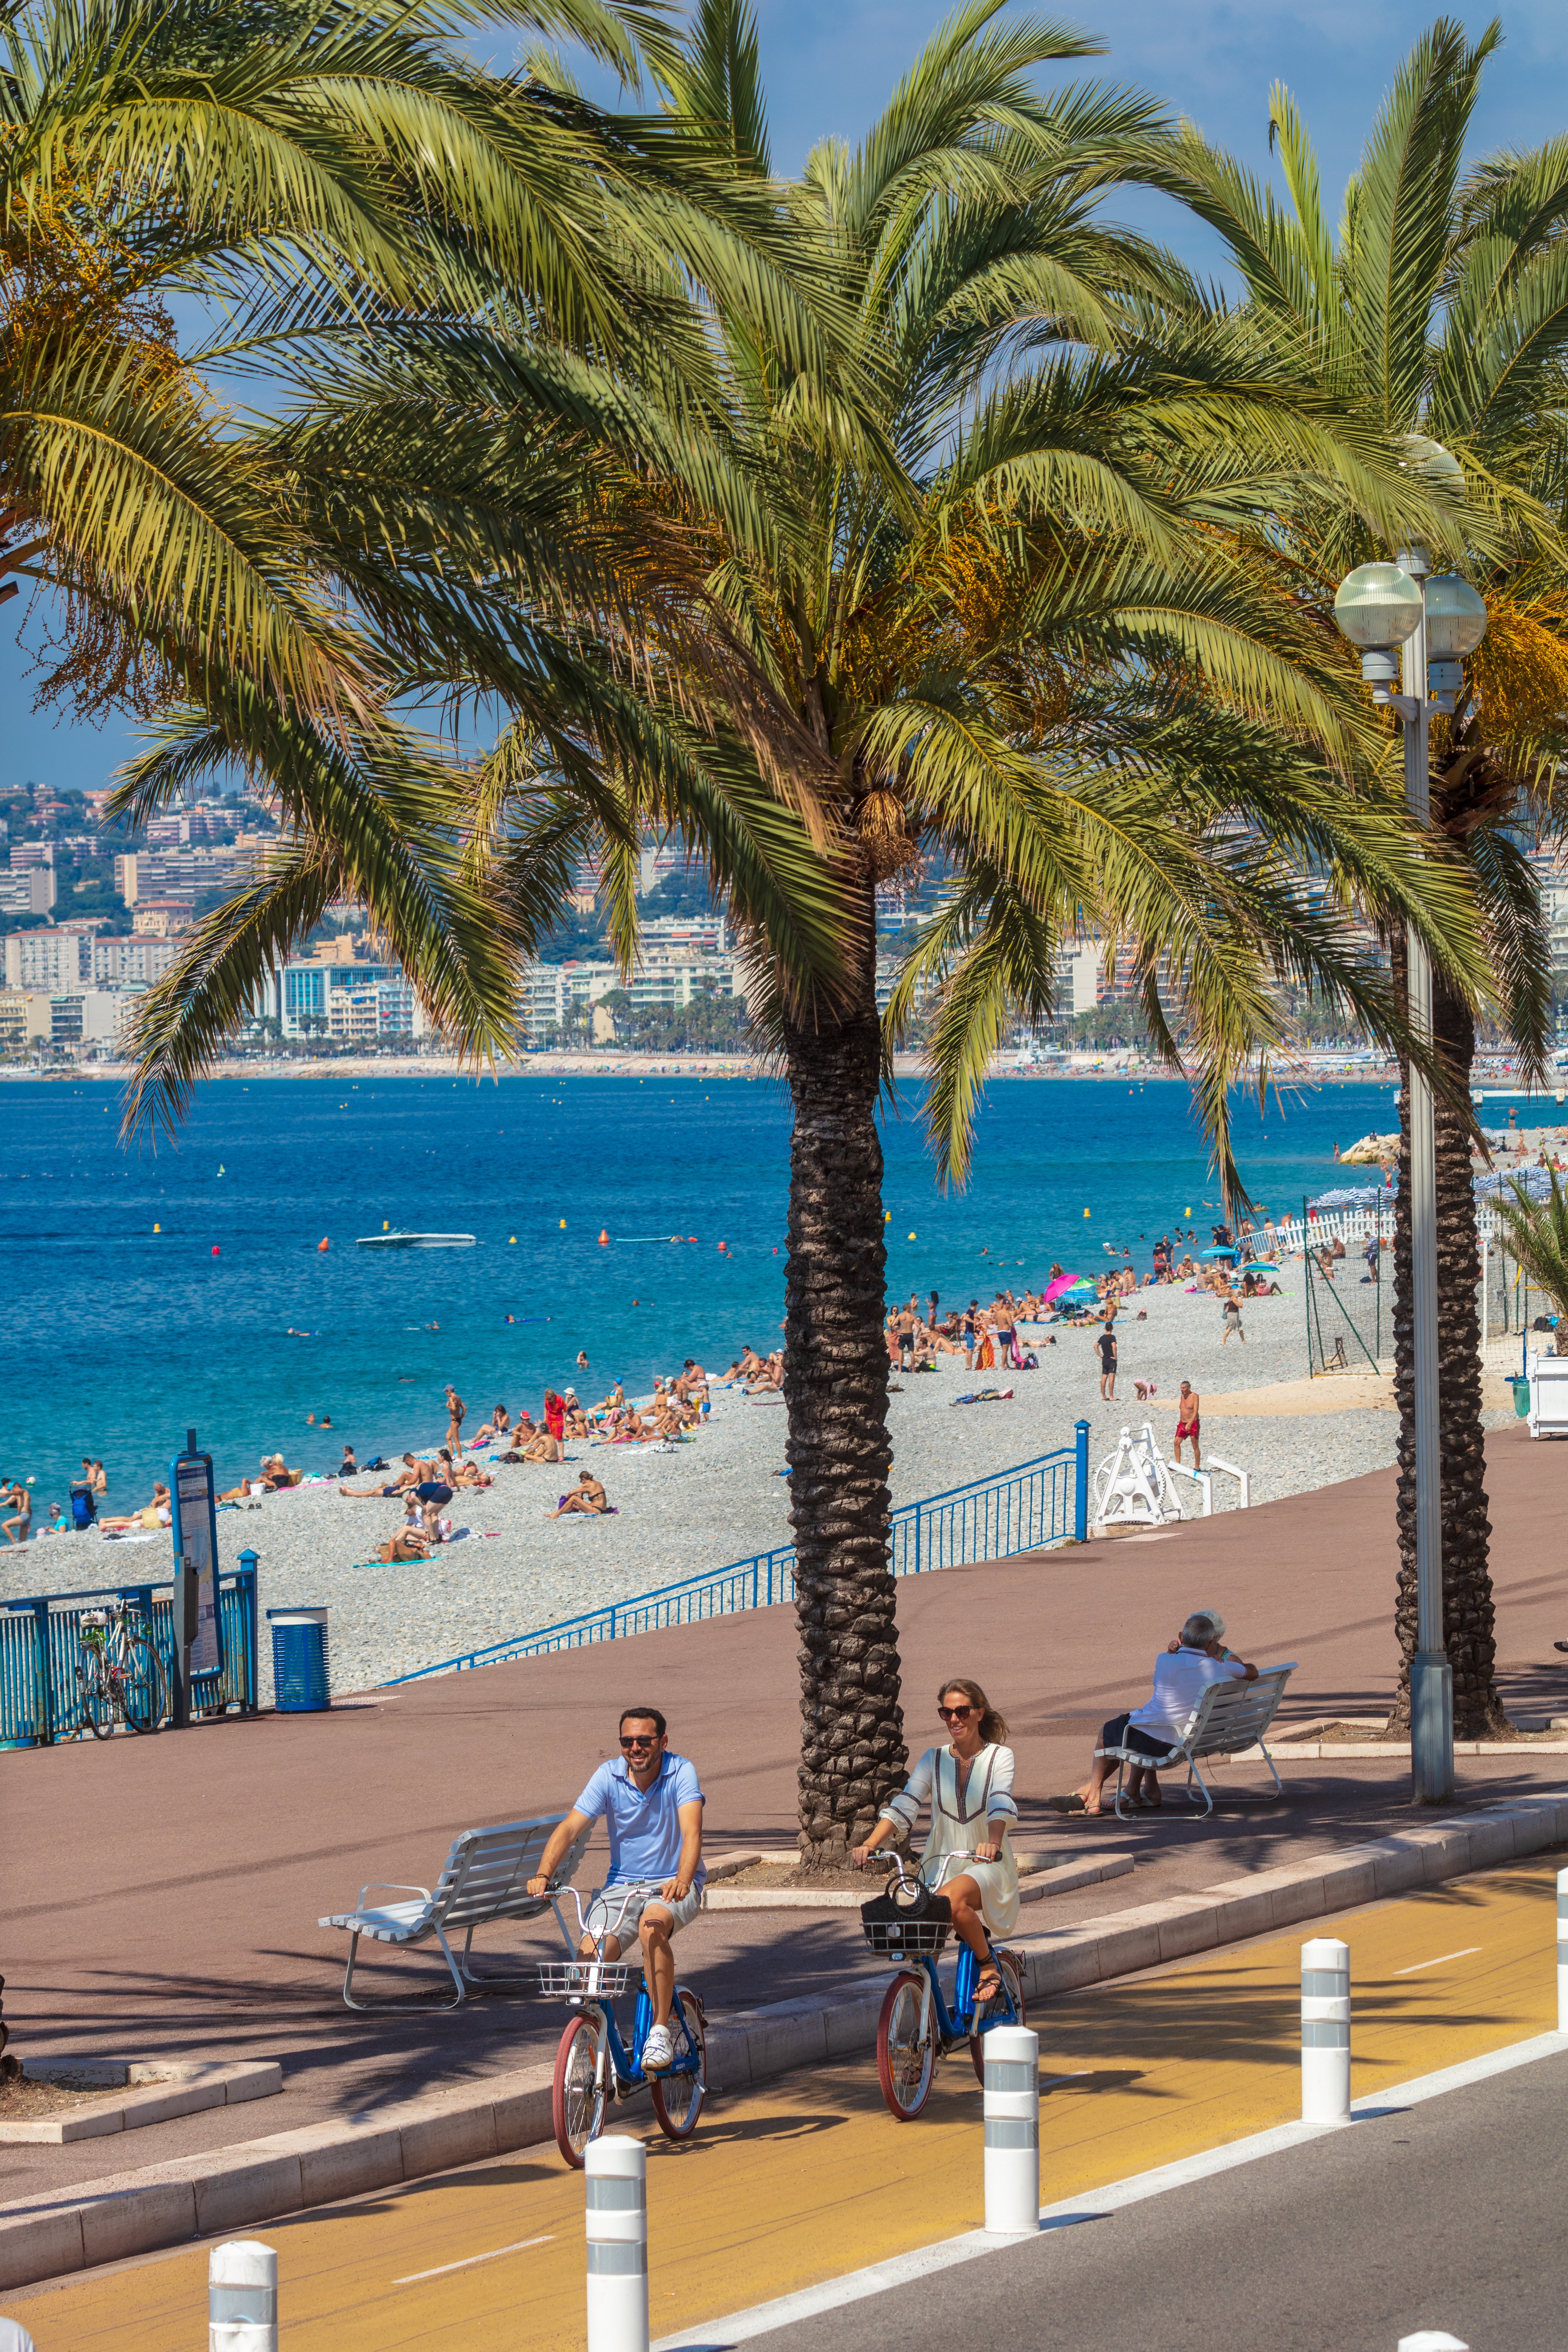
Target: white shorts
{"x":606,"y":1910}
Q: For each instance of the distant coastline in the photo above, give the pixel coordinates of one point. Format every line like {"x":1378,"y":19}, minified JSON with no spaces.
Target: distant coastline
{"x":683,"y":1066}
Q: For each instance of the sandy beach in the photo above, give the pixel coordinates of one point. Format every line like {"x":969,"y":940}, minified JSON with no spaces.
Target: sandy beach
{"x":720,"y":1498}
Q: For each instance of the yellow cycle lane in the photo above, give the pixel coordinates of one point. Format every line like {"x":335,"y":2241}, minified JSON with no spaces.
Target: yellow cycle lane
{"x":782,"y":2189}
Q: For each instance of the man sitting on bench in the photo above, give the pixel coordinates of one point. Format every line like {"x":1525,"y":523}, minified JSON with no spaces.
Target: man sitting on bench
{"x":1195,"y":1658}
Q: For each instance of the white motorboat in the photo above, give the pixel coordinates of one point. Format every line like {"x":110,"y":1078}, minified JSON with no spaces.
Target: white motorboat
{"x":417,"y":1241}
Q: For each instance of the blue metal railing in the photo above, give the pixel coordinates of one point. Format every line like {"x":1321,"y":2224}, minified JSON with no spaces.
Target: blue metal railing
{"x":40,"y":1648}
{"x":1023,"y":1509}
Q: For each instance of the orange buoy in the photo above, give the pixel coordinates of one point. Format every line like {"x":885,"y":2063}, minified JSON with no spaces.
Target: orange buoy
{"x":604,"y":1237}
{"x":323,"y":1243}
{"x":691,"y":1237}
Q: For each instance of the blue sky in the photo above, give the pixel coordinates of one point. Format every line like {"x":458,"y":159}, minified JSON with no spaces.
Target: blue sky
{"x":830,"y":64}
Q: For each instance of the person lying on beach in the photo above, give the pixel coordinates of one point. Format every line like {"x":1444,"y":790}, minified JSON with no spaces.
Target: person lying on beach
{"x":468,"y":1474}
{"x":411,"y":1475}
{"x":590,"y":1496}
{"x":158,"y":1513}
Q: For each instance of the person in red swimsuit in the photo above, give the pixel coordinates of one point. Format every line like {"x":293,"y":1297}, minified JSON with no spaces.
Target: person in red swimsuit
{"x":1187,"y":1409}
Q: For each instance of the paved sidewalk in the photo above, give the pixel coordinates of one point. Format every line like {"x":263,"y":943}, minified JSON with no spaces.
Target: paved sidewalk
{"x":164,"y":1892}
{"x":814,"y":2179}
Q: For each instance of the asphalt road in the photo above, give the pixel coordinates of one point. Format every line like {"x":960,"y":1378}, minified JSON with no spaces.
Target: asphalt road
{"x":1452,"y":2214}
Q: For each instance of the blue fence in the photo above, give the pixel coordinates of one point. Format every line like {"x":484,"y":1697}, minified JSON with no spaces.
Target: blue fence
{"x":40,"y":1648}
{"x":1023,"y":1509}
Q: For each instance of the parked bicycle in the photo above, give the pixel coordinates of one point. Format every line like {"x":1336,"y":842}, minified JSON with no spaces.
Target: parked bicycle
{"x":911,"y":1921}
{"x":118,"y":1674}
{"x":593,"y":2065}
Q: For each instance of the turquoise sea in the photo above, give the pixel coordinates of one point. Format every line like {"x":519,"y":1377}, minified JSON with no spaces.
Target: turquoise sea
{"x":231,"y":1320}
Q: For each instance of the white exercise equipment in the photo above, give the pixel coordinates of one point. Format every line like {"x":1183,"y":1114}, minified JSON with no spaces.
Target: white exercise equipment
{"x":1133,"y":1486}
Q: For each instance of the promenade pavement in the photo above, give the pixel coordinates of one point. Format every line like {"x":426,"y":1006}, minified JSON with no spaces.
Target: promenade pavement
{"x":162,"y":1893}
{"x":811,"y":2182}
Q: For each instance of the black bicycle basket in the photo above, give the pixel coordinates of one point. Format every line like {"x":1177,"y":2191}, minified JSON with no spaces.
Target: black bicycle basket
{"x":920,"y":1921}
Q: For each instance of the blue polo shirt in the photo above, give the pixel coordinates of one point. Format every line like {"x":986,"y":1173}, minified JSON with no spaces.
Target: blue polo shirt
{"x":645,"y":1826}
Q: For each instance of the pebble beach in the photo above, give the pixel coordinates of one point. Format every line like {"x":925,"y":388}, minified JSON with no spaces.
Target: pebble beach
{"x":718,"y":1498}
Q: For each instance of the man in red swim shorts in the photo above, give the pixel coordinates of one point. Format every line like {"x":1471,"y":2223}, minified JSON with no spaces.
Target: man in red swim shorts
{"x":1187,"y":1408}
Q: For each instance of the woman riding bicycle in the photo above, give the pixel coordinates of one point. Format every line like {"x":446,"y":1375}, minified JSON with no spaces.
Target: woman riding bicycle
{"x":968,"y":1785}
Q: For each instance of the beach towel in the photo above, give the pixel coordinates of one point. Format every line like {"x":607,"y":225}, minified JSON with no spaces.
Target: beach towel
{"x":984,"y":1396}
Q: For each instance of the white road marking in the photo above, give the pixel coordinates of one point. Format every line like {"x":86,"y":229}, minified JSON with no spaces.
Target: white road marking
{"x":1416,"y":1967}
{"x":738,"y":2327}
{"x":493,"y":2256}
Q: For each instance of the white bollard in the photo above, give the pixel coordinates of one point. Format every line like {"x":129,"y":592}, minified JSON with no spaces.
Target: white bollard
{"x":1432,"y":2339}
{"x":1012,"y":2130}
{"x":1325,"y":2032}
{"x":617,"y":2169}
{"x":1562,"y":1951}
{"x":242,"y":2297}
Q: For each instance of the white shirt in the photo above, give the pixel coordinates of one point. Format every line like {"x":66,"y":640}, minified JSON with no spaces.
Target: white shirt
{"x":1181,"y":1678}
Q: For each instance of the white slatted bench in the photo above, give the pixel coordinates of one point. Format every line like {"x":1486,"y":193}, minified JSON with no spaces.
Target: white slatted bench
{"x":1231,"y":1716}
{"x":486,"y":1878}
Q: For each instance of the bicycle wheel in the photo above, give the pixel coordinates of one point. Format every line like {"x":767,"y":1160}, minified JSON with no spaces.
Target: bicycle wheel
{"x":141,"y":1688}
{"x":576,"y":2098}
{"x":997,"y":2012}
{"x":678,"y":2095}
{"x":93,"y":1693}
{"x":905,"y":2058}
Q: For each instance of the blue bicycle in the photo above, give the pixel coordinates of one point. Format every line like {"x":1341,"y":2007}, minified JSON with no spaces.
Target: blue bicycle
{"x":593,"y":2065}
{"x":916,"y":2028}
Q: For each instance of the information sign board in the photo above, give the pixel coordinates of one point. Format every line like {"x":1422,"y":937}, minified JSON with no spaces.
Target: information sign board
{"x":196,"y":1540}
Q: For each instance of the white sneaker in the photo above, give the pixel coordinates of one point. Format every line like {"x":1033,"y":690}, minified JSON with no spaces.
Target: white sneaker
{"x":658,"y":2051}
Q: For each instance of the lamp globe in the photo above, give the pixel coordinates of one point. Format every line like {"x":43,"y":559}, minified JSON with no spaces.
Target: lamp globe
{"x":1456,"y":617}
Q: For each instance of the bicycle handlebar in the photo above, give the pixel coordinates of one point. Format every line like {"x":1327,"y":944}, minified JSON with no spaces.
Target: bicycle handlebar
{"x":964,"y":1853}
{"x":627,"y":1890}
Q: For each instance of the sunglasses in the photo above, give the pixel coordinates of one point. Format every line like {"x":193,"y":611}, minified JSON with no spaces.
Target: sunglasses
{"x":649,"y":1739}
{"x":956,"y":1713}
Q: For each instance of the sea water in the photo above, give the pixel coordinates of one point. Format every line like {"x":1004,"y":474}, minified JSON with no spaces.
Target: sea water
{"x":154,"y":1292}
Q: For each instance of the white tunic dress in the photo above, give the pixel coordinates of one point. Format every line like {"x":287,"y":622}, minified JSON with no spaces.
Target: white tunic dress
{"x":958,"y":1822}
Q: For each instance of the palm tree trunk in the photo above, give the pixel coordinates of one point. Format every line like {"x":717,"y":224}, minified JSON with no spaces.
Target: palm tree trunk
{"x":835,"y":1387}
{"x":1467,"y":1612}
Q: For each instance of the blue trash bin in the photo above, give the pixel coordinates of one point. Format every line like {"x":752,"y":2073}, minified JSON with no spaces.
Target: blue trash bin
{"x":300,"y":1681}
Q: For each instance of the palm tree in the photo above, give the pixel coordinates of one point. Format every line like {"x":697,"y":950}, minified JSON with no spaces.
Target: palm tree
{"x":1441,"y":313}
{"x":986,"y":573}
{"x":1537,"y":1234}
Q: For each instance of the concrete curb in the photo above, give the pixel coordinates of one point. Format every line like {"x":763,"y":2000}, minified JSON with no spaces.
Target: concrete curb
{"x":1066,"y":1879}
{"x":234,"y":2188}
{"x":156,"y":2091}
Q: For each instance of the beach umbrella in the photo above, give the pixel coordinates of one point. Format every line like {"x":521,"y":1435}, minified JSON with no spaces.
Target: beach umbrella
{"x":1261,"y":1265}
{"x":1063,"y":1282}
{"x":1216,"y":1253}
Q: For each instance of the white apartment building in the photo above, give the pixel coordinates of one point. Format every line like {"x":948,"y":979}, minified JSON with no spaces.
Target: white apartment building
{"x":60,"y":959}
{"x":28,"y":889}
{"x":553,"y":991}
{"x":84,"y":1020}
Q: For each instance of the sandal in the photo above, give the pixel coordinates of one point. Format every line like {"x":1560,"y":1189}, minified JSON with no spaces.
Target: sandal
{"x":991,"y":1974}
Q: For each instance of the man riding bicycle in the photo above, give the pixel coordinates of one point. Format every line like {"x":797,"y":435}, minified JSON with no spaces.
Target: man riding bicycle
{"x":652,"y":1802}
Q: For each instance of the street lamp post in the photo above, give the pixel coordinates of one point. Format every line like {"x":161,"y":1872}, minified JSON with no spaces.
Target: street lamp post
{"x":1386,"y":608}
